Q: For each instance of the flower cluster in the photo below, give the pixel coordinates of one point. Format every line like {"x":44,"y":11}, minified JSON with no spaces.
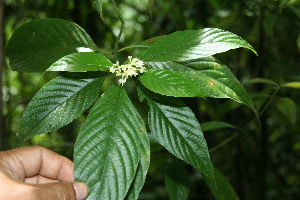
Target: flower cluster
{"x":132,"y":68}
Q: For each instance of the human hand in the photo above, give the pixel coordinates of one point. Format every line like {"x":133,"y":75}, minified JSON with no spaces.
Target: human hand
{"x":36,"y":173}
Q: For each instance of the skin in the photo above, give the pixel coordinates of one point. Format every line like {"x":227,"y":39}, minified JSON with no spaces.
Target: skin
{"x":36,"y":173}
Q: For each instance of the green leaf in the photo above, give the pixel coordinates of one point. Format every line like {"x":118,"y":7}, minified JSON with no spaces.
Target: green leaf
{"x":175,"y":127}
{"x":98,"y":4}
{"x":177,"y":181}
{"x":34,"y":46}
{"x":295,"y":85}
{"x":58,"y":103}
{"x":142,"y":169}
{"x":210,"y":77}
{"x":81,"y":62}
{"x":108,"y":149}
{"x":288,"y":108}
{"x":224,"y":190}
{"x":169,"y":83}
{"x":262,"y":80}
{"x":215,"y":125}
{"x":143,"y":44}
{"x":193,"y":44}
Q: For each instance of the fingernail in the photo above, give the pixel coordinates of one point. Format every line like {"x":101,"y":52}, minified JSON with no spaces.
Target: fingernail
{"x":81,"y":190}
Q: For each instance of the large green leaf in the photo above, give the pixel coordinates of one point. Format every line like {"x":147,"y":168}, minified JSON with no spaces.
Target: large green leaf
{"x":193,"y":44}
{"x":224,"y":190}
{"x":108,"y":148}
{"x":58,"y":103}
{"x":169,"y":83}
{"x":148,"y":43}
{"x":36,"y":45}
{"x":142,"y":169}
{"x":175,"y":127}
{"x":210,"y":77}
{"x":177,"y":181}
{"x":80,"y":62}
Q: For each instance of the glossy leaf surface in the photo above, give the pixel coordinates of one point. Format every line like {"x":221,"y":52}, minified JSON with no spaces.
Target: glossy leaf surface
{"x":58,"y":103}
{"x":169,"y":83}
{"x":175,"y":127}
{"x":209,"y":76}
{"x":193,"y":44}
{"x":144,"y":44}
{"x":81,"y":62}
{"x":142,"y":169}
{"x":36,"y":45}
{"x":108,"y":149}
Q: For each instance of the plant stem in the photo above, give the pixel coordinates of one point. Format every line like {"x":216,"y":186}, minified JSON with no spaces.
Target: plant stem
{"x":223,"y":143}
{"x":267,"y":104}
{"x":121,"y":29}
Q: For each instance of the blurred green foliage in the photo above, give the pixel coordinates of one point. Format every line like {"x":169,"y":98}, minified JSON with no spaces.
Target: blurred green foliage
{"x":262,"y":160}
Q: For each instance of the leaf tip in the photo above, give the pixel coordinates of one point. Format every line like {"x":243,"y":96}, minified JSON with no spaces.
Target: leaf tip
{"x":253,"y":50}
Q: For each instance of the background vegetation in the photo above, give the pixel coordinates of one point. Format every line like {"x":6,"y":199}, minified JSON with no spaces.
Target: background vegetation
{"x":261,"y":161}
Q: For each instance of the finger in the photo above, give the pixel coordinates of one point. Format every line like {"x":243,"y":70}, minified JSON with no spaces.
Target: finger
{"x":53,"y":191}
{"x":39,"y":180}
{"x":30,"y":161}
{"x":61,"y":191}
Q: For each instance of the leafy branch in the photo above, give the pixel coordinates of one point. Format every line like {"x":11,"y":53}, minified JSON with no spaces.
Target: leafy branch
{"x":111,"y":153}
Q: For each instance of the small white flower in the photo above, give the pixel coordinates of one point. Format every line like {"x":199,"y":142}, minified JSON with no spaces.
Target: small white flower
{"x":118,"y":73}
{"x":112,"y":69}
{"x":124,"y":67}
{"x":131,"y":72}
{"x":139,"y":63}
{"x":122,"y":81}
{"x":132,"y":68}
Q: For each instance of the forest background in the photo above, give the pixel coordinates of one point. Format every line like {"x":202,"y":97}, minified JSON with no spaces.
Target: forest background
{"x":262,"y":161}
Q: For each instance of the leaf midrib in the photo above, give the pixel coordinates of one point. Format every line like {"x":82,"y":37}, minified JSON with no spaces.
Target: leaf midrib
{"x":108,"y":151}
{"x":167,"y":119}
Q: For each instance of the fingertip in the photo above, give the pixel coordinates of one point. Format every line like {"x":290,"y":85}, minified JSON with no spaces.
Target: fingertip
{"x":81,"y":190}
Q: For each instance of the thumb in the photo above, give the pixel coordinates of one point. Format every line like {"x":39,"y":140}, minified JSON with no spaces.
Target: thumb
{"x":62,"y":191}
